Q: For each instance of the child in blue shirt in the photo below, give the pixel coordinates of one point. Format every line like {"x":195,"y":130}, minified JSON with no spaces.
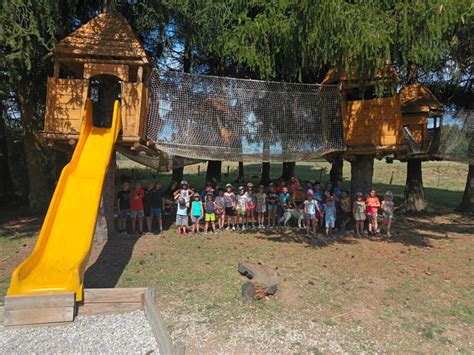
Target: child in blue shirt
{"x":197,"y":212}
{"x":329,"y":215}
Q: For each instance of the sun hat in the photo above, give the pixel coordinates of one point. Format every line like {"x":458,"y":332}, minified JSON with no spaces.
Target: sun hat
{"x":359,"y":194}
{"x":389,"y":193}
{"x":250,"y":184}
{"x":228,"y":185}
{"x":184,"y":182}
{"x":241,"y":188}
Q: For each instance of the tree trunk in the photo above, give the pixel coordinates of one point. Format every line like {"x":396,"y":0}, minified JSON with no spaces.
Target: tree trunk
{"x":467,"y":202}
{"x":362,"y":170}
{"x":414,"y":193}
{"x":214,"y":171}
{"x":288,"y":170}
{"x":6,"y":183}
{"x":265,"y":176}
{"x":336,"y":169}
{"x":105,"y":225}
{"x":176,"y":177}
{"x":240,"y":176}
{"x":38,"y":186}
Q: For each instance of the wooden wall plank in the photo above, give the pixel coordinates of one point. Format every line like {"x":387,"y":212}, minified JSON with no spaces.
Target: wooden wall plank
{"x":2,"y":310}
{"x":108,"y":295}
{"x":158,"y":325}
{"x":108,"y":308}
{"x":38,"y":316}
{"x":52,"y":300}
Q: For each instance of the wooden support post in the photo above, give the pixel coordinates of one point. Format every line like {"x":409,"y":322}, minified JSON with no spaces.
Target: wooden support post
{"x":140,"y":74}
{"x":56,"y":69}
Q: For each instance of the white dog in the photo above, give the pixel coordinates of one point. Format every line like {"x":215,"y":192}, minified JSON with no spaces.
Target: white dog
{"x":295,"y":213}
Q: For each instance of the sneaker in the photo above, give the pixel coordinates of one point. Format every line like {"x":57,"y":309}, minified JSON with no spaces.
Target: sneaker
{"x":180,"y":234}
{"x":185,"y":233}
{"x":205,"y":232}
{"x":233,"y":228}
{"x":243,"y":227}
{"x":228,"y":229}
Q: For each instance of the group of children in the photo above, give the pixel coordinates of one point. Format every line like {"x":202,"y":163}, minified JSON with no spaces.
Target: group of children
{"x":250,"y":209}
{"x":140,"y":204}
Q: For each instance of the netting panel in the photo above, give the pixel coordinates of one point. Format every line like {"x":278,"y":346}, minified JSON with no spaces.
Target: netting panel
{"x":217,"y":118}
{"x":457,"y":137}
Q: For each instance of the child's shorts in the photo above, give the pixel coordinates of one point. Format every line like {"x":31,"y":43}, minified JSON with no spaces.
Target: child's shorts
{"x":311,"y":216}
{"x":181,"y":220}
{"x":360,"y":216}
{"x":241,"y":211}
{"x":135,"y":214}
{"x":330,"y":222}
{"x":210,"y":217}
{"x":372,"y":215}
{"x":229,"y":211}
{"x":195,"y":219}
{"x":272,"y":206}
{"x":388,"y":215}
{"x":124,"y":213}
{"x":156,"y":212}
{"x":250,"y":208}
{"x":219,"y":212}
{"x":261,"y":209}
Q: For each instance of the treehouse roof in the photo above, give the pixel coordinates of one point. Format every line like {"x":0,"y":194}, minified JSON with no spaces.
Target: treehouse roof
{"x":418,"y":98}
{"x":107,"y":37}
{"x":350,"y":80}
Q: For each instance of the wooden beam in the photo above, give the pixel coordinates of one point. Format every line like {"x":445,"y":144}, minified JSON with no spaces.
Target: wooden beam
{"x":140,"y":74}
{"x":90,"y":309}
{"x":158,"y":326}
{"x":40,"y":301}
{"x":111,"y":295}
{"x":105,"y":61}
{"x":56,"y":69}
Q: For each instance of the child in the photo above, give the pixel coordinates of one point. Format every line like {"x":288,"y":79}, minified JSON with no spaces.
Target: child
{"x":338,"y":189}
{"x":298,"y":196}
{"x":230,"y":202}
{"x":272,"y":198}
{"x":184,"y":191}
{"x":261,"y":208}
{"x":241,"y":207}
{"x":197,"y":212}
{"x":157,"y":205}
{"x":388,"y":207}
{"x":182,"y":217}
{"x":373,"y":204}
{"x":147,"y":206}
{"x":210,"y":209}
{"x":251,"y":204}
{"x":123,"y":207}
{"x":284,"y":199}
{"x":318,"y":193}
{"x":329,"y":216}
{"x":136,"y":206}
{"x":358,"y":210}
{"x":220,"y":210}
{"x":345,"y":209}
{"x":310,"y":205}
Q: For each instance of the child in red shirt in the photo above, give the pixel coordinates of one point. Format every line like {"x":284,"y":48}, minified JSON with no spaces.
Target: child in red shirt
{"x":373,"y":204}
{"x":136,"y":207}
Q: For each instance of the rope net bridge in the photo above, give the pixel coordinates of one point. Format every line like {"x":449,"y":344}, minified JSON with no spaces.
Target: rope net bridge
{"x":216,"y":118}
{"x":456,"y":142}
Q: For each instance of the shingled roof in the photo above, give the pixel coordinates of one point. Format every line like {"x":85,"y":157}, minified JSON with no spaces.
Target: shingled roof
{"x":418,"y":98}
{"x":105,"y":36}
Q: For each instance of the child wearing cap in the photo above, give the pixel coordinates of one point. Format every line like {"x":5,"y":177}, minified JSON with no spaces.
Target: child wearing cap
{"x":220,"y":210}
{"x":230,"y":205}
{"x":241,"y":207}
{"x":388,"y":207}
{"x":373,"y":205}
{"x":184,"y":191}
{"x":272,"y":198}
{"x":197,"y":212}
{"x":182,"y":217}
{"x":358,"y":210}
{"x":285,"y":199}
{"x":261,"y":198}
{"x":251,"y":204}
{"x":210,"y":208}
{"x":329,"y":215}
{"x":310,"y":208}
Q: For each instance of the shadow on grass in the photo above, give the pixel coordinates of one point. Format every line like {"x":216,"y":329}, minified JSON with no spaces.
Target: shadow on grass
{"x":112,"y":261}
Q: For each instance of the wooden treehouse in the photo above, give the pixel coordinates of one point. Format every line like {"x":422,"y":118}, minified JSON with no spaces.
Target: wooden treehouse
{"x":372,"y":124}
{"x":422,"y":121}
{"x":102,"y":60}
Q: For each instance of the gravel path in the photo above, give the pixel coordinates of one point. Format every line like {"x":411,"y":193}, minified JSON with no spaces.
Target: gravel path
{"x":119,"y":333}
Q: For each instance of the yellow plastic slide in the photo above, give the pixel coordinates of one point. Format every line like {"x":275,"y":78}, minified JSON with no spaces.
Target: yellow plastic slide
{"x":58,"y":261}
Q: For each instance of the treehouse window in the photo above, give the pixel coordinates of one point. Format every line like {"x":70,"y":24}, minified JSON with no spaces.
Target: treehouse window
{"x":367,"y":93}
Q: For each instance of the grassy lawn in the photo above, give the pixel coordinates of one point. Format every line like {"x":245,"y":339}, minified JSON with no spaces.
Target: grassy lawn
{"x":413,"y":293}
